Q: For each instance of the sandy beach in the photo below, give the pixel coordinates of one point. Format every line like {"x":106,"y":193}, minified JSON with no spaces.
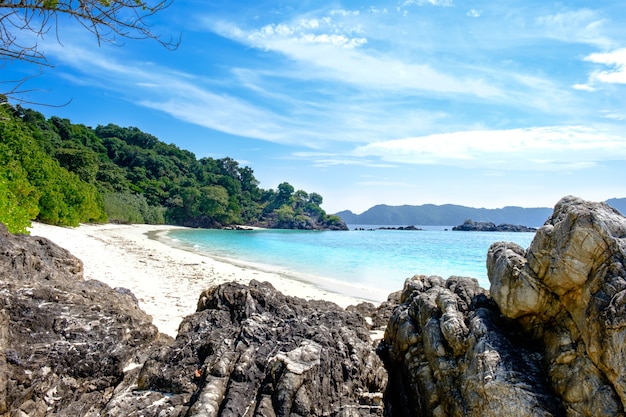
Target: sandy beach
{"x":165,"y":279}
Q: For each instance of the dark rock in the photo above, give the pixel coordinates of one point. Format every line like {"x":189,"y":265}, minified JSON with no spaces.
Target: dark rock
{"x":249,"y":350}
{"x":472,"y":226}
{"x":64,"y":342}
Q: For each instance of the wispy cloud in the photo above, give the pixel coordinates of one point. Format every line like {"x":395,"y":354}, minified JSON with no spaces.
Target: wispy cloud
{"x":331,"y":50}
{"x":326,"y":159}
{"x":615,"y":61}
{"x":443,"y":3}
{"x":579,"y":26}
{"x":338,"y":75}
{"x":544,"y":148}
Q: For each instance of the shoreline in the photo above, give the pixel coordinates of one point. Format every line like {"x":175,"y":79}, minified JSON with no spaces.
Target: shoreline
{"x":166,"y":279}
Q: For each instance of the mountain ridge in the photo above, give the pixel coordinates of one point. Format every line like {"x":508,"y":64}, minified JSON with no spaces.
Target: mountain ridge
{"x":454,"y":214}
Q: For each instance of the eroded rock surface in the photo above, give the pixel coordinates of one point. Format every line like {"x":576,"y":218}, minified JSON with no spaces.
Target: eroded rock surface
{"x":568,"y":292}
{"x":449,"y":352}
{"x":549,"y":338}
{"x":64,"y":342}
{"x":251,"y":351}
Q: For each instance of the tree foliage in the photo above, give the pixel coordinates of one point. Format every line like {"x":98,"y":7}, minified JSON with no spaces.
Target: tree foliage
{"x":37,"y":185}
{"x":63,"y":173}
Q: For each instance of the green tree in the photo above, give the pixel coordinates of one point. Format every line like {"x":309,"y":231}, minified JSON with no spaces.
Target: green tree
{"x":64,"y":198}
{"x":18,"y":198}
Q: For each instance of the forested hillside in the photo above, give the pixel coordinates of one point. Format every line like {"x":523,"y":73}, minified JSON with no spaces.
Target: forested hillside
{"x":61,"y":173}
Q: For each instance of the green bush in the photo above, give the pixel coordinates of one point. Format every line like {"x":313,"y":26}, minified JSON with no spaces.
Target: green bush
{"x":131,"y":208}
{"x":18,"y":198}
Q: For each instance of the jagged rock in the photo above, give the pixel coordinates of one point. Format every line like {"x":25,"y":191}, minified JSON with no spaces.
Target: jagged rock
{"x":64,"y":342}
{"x":449,"y":352}
{"x":551,"y":341}
{"x":568,"y":292}
{"x":251,"y":351}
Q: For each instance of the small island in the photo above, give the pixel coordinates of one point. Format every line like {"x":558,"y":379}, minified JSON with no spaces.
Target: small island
{"x":472,"y":226}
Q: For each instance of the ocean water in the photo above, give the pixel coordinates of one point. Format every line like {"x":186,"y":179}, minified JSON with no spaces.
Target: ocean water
{"x":367,"y":263}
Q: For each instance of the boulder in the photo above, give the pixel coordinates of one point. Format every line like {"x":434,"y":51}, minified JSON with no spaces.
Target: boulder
{"x":549,"y":339}
{"x":251,"y":351}
{"x":71,"y":347}
{"x":450,"y":352}
{"x":65,"y":343}
{"x":568,"y":293}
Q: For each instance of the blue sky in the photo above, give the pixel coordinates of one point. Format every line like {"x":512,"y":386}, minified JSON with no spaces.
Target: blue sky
{"x":479,"y":103}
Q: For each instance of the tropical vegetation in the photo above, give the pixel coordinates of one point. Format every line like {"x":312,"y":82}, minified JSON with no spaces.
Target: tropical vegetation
{"x":61,"y":173}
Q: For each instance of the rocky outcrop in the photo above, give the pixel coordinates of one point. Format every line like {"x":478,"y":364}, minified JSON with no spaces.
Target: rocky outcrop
{"x":251,"y":351}
{"x":70,"y":347}
{"x":472,"y":226}
{"x":568,"y":292}
{"x":549,"y":339}
{"x":64,"y":342}
{"x":449,"y":352}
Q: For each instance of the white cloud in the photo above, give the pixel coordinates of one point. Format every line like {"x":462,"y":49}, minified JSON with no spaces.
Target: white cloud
{"x":474,"y":13}
{"x":344,"y":13}
{"x":614,"y":115}
{"x":443,"y":3}
{"x":616,"y":63}
{"x":335,"y":40}
{"x":542,"y":148}
{"x":337,"y":57}
{"x":326,"y":159}
{"x":574,"y":26}
{"x":303,"y":31}
{"x":584,"y":87}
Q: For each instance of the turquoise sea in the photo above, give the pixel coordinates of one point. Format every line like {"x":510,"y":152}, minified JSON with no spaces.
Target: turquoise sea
{"x":367,"y":263}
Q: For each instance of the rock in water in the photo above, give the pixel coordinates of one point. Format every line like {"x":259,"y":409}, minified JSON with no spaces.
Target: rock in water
{"x":64,"y":342}
{"x":568,"y":292}
{"x":449,"y":352}
{"x":251,"y":351}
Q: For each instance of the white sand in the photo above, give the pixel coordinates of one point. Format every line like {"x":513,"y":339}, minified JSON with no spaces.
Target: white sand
{"x":167,"y":280}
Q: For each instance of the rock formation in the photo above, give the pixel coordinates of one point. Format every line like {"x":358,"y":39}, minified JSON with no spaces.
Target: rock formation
{"x":251,"y":351}
{"x":550,"y":340}
{"x":70,"y":347}
{"x":64,"y":341}
{"x":472,"y":226}
{"x":449,"y":352}
{"x":568,"y":292}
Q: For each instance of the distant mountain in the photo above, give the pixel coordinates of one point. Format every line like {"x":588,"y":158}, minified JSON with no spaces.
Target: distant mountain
{"x":452,"y":215}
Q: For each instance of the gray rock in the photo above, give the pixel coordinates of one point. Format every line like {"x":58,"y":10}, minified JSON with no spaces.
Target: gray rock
{"x":548,"y":340}
{"x":568,"y":293}
{"x":249,"y":350}
{"x":64,"y":342}
{"x":449,"y":352}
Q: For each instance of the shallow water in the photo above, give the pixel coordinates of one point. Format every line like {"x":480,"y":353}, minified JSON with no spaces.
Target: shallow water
{"x":364,"y":263}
